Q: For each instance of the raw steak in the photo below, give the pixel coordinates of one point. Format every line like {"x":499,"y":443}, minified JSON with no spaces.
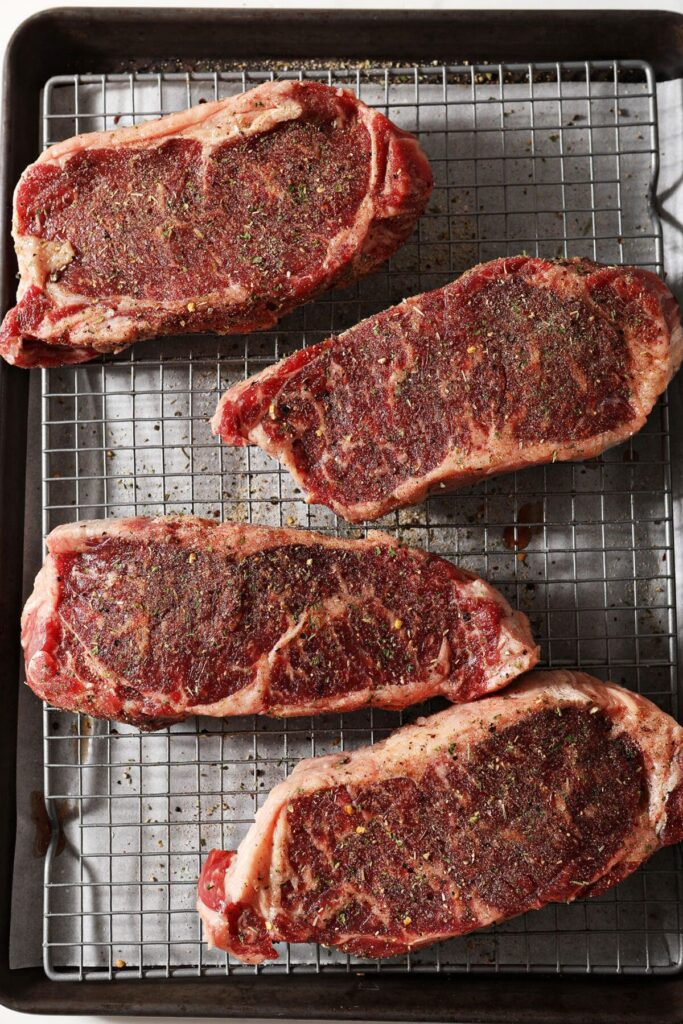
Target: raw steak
{"x":151,"y":620}
{"x":520,"y":361}
{"x":557,"y":788}
{"x":220,"y":218}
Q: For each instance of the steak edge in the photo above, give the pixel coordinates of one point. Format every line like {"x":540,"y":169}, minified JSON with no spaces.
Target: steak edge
{"x":153,"y":620}
{"x":220,"y":218}
{"x":558,"y":788}
{"x":518,"y":362}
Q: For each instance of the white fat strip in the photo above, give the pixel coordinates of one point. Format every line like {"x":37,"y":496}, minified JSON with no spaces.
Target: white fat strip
{"x":39,"y":258}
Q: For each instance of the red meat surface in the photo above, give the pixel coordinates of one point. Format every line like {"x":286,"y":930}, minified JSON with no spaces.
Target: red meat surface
{"x":220,"y":218}
{"x":520,"y":361}
{"x":557,"y":788}
{"x":152,"y":620}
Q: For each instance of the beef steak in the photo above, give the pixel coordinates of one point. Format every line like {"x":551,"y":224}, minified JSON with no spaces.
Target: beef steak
{"x":220,"y":218}
{"x":557,"y":788}
{"x":152,"y":620}
{"x":518,"y":362}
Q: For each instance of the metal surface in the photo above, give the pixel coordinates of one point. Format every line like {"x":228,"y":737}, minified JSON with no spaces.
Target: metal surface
{"x":554,"y":160}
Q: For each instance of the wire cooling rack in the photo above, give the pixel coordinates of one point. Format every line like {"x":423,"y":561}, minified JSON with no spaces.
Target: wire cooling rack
{"x":548,"y":159}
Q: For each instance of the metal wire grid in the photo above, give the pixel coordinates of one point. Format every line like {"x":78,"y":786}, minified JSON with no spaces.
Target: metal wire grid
{"x":551,"y":159}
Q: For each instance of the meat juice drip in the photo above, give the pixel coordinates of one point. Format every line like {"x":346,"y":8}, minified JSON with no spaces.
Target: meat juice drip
{"x":529,"y":522}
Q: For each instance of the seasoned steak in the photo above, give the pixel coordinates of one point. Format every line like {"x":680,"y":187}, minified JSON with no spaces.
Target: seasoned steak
{"x":220,"y":218}
{"x":557,"y":788}
{"x":518,"y":362}
{"x":152,"y":620}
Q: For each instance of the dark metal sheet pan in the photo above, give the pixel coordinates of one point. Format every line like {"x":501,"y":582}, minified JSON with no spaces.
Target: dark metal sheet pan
{"x":84,"y":40}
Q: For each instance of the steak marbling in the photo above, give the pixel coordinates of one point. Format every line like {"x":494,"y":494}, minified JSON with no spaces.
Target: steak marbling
{"x":152,"y":620}
{"x":557,"y":788}
{"x":220,"y":218}
{"x":518,"y":362}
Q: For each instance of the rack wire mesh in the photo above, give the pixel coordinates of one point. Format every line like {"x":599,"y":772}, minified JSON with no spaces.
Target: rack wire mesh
{"x":554,"y":159}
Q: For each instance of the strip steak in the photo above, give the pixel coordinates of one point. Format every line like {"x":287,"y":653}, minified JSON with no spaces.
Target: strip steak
{"x":557,"y":788}
{"x":520,"y":361}
{"x":152,"y":620}
{"x":220,"y":218}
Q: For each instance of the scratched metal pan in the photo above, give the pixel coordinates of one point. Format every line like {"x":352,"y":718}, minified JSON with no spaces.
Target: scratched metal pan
{"x":542,"y":130}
